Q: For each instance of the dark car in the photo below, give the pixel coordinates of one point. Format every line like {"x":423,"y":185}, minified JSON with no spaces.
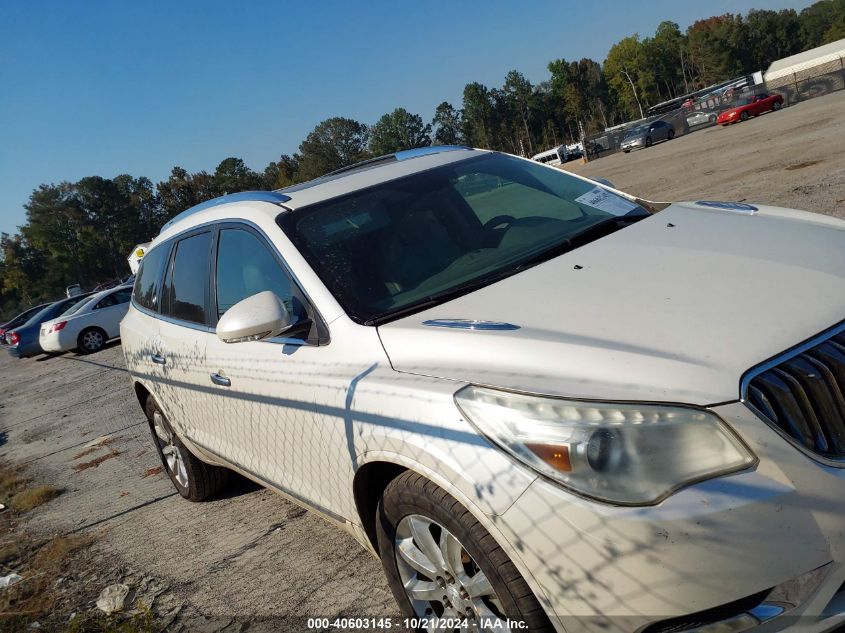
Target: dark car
{"x":646,"y":134}
{"x":23,"y":340}
{"x":19,"y":320}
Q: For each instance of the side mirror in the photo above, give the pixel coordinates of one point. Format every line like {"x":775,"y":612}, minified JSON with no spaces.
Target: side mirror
{"x":260,"y":316}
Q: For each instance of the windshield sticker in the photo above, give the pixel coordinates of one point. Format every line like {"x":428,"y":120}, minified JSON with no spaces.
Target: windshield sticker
{"x":604,"y":200}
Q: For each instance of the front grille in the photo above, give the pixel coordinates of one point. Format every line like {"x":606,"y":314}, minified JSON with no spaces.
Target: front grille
{"x":803,"y":395}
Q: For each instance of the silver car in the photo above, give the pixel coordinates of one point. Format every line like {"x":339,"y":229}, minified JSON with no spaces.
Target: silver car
{"x":701,"y":117}
{"x":543,"y":403}
{"x":646,"y":134}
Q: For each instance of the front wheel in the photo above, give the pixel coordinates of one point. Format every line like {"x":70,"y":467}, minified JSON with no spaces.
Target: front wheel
{"x":670,"y":135}
{"x":648,"y":141}
{"x":743,"y":116}
{"x":776,"y":106}
{"x":441,"y":563}
{"x":193,"y":479}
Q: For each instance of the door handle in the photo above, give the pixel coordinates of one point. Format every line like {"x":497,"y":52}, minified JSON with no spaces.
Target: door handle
{"x":217,"y":379}
{"x":158,"y":359}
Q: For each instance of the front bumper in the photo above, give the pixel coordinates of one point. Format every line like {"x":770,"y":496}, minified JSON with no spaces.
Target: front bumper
{"x":632,"y":145}
{"x":605,"y":568}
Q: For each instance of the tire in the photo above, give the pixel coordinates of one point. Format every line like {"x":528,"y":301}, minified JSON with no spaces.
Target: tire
{"x":743,"y":116}
{"x":648,"y":141}
{"x":711,"y":118}
{"x":193,"y":479}
{"x":627,"y":151}
{"x":670,"y":135}
{"x":91,"y":340}
{"x":776,"y":106}
{"x":412,"y":505}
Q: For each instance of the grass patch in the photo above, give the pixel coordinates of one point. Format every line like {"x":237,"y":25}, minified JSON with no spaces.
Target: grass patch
{"x":16,"y":493}
{"x":33,"y":497}
{"x":11,"y":482}
{"x":40,"y":565}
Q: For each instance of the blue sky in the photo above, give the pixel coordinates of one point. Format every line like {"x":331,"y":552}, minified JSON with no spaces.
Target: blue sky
{"x":111,"y":87}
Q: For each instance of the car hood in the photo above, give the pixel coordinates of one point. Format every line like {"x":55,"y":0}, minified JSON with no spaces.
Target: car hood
{"x":674,"y":308}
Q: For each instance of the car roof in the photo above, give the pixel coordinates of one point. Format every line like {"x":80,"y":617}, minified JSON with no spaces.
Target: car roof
{"x":346,"y":180}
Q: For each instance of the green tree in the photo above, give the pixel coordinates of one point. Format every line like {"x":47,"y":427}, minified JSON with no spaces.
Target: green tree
{"x":630,"y":76}
{"x":232,"y":175}
{"x":822,"y":22}
{"x":447,"y":125}
{"x":398,"y":130}
{"x":183,"y":190}
{"x":478,"y":119}
{"x":281,"y":173}
{"x":332,"y":144}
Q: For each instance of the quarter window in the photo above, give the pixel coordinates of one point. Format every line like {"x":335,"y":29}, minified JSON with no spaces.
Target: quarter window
{"x":246,"y":267}
{"x":146,"y":292}
{"x":185,"y":287}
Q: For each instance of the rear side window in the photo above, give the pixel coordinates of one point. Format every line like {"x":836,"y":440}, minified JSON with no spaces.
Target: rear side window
{"x":146,"y":292}
{"x":105,"y":302}
{"x":246,"y":267}
{"x":122,"y":296}
{"x":186,"y":285}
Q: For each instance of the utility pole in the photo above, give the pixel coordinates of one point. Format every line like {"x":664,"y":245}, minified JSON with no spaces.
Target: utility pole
{"x":639,"y":105}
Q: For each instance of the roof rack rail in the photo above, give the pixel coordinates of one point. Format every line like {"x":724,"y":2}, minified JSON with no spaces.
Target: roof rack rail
{"x":273,"y":197}
{"x":404,"y":154}
{"x":373,"y":162}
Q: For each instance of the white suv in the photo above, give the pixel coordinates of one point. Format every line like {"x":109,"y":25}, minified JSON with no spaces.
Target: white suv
{"x":543,"y":403}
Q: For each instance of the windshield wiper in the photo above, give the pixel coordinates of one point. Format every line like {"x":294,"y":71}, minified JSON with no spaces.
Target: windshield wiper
{"x":590,"y":234}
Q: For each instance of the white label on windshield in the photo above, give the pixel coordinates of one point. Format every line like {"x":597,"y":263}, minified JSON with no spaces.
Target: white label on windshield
{"x":604,"y":200}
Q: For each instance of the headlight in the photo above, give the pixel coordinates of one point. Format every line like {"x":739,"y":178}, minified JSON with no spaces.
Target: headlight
{"x":627,"y":454}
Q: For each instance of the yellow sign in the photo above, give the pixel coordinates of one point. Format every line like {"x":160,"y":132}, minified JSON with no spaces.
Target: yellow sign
{"x":139,"y":253}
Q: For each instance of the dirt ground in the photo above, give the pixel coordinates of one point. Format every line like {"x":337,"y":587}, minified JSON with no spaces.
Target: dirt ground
{"x":792,"y":158}
{"x":251,"y":559}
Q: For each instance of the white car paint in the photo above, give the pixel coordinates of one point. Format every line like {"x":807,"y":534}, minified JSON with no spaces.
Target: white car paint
{"x":103,"y":311}
{"x":674,"y":309}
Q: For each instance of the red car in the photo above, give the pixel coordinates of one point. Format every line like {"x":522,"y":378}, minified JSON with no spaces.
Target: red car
{"x":754,"y":106}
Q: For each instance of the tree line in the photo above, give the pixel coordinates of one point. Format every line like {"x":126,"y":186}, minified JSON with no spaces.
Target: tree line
{"x":82,"y":232}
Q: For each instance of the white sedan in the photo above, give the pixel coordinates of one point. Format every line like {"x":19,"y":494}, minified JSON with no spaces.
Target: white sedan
{"x":89,"y":324}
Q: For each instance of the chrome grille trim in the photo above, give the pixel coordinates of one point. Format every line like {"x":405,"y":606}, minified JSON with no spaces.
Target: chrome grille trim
{"x":801,"y":395}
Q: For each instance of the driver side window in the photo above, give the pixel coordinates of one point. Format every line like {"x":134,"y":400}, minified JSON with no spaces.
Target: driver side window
{"x":245,"y":267}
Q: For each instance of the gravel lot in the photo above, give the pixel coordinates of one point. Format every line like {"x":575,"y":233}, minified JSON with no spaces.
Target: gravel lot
{"x":792,"y":158}
{"x":252,"y":556}
{"x":249,"y":557}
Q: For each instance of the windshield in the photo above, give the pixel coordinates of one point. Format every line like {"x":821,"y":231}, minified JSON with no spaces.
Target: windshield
{"x":40,"y":316}
{"x":637,"y":131}
{"x":415,"y":241}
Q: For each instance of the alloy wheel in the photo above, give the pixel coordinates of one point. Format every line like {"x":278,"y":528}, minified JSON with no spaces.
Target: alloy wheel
{"x":173,"y":458}
{"x":441,"y":579}
{"x":92,"y":340}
